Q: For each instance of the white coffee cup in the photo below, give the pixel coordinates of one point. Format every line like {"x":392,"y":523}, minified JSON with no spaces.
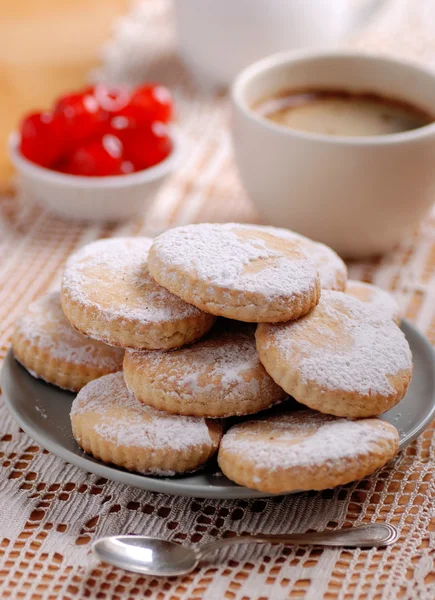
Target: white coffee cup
{"x":360,"y":195}
{"x":219,"y":38}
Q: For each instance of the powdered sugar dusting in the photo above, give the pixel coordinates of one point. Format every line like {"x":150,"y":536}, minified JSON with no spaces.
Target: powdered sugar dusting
{"x":225,"y":362}
{"x":237,"y":257}
{"x":112,"y":275}
{"x":45,"y":326}
{"x":306,"y":439}
{"x":125,"y":420}
{"x":332,"y":270}
{"x":344,"y":344}
{"x":384,"y":302}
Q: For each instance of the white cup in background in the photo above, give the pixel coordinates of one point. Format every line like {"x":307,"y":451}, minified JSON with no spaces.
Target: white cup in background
{"x":359,"y":195}
{"x":219,"y":38}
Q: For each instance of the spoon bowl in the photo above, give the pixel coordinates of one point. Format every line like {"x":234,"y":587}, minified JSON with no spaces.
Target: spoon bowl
{"x":146,"y":555}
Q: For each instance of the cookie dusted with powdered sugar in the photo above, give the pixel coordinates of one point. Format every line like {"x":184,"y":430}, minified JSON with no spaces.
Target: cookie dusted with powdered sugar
{"x":236,"y":271}
{"x":384,"y":302}
{"x":109,"y":423}
{"x":305,"y":450}
{"x":109,"y":294}
{"x":331,"y":268}
{"x":47,"y":345}
{"x":219,"y":376}
{"x":343,"y":358}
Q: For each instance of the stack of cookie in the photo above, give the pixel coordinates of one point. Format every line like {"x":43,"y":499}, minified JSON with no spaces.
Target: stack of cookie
{"x":221,"y":321}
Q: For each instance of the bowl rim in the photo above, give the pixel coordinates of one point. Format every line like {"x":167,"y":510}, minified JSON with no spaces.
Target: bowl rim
{"x":50,"y":176}
{"x":282,"y":59}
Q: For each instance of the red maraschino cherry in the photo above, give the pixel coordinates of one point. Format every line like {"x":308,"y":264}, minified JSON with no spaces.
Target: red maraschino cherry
{"x":101,"y":130}
{"x":146,"y":146}
{"x":149,"y":103}
{"x":42,"y":138}
{"x":97,"y":158}
{"x":82,"y":115}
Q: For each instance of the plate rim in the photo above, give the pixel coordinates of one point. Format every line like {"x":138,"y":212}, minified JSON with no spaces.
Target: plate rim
{"x":409,"y":329}
{"x":175,"y":487}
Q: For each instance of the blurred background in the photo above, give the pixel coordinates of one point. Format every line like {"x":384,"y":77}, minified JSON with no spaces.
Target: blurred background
{"x":46,"y":48}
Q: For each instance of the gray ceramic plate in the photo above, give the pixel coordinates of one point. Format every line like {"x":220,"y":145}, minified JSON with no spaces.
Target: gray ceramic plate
{"x":42,"y":411}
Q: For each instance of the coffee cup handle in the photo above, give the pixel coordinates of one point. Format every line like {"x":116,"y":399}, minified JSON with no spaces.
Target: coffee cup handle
{"x":362,"y":15}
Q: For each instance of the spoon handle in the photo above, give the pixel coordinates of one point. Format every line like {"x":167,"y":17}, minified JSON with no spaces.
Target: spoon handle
{"x":366,"y":536}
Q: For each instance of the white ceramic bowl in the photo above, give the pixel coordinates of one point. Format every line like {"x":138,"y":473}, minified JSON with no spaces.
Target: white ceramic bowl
{"x":360,"y":195}
{"x":91,"y":198}
{"x":219,"y":38}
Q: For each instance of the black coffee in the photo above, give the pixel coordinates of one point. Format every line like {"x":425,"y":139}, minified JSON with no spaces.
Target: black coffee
{"x":337,"y":112}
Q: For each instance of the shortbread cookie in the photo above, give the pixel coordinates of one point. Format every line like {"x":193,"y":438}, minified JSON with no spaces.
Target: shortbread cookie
{"x":109,"y":423}
{"x":331,"y":268}
{"x":236,"y":271}
{"x":384,"y":302}
{"x":49,"y":348}
{"x":305,"y":450}
{"x":342,"y":359}
{"x":219,"y":376}
{"x":108,"y":294}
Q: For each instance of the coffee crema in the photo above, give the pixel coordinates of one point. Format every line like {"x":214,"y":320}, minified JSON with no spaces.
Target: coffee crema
{"x":343,"y":113}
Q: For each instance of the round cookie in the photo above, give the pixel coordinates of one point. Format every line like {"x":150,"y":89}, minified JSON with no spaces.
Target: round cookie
{"x":236,"y":271}
{"x":109,"y":294}
{"x":305,"y":450}
{"x":341,"y":359}
{"x":50,"y":349}
{"x":384,"y":302}
{"x":109,"y":423}
{"x":219,"y":376}
{"x":332,"y":269}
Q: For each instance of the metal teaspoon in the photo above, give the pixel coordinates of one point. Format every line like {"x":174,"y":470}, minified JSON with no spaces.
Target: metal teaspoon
{"x":153,"y":556}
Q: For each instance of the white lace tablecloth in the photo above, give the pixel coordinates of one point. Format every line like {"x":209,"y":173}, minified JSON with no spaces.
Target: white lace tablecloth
{"x":50,"y":511}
